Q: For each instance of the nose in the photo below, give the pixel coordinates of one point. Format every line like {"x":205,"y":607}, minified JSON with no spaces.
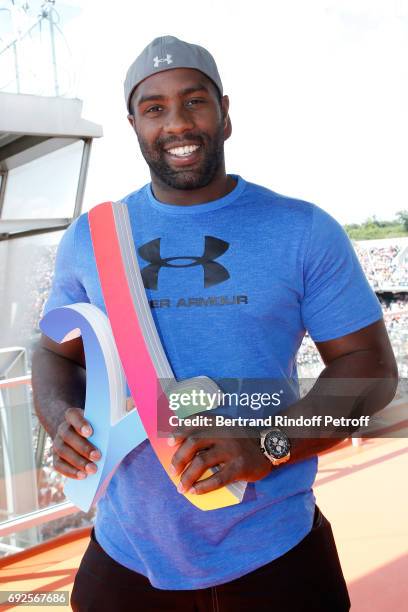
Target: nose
{"x":178,"y":120}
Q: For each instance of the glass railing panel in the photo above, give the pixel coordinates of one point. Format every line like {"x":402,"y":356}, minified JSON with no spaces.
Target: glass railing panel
{"x":28,"y":481}
{"x":26,"y":270}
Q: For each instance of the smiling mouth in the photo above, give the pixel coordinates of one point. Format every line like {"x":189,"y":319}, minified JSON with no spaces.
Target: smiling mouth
{"x":185,"y":151}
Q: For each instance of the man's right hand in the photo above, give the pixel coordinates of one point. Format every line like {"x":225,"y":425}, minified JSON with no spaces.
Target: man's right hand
{"x":73,"y":455}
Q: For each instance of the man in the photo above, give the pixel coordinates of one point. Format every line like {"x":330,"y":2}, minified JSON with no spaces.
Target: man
{"x":285,"y":267}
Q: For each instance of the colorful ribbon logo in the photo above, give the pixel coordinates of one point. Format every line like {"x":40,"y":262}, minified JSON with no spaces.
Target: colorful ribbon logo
{"x":128,"y":340}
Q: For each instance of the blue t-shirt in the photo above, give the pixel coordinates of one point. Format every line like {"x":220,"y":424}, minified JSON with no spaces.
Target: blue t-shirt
{"x":233,"y":286}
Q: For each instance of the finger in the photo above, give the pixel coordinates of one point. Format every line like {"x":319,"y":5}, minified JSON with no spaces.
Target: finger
{"x":186,"y":451}
{"x":78,"y":442}
{"x":73,"y":458}
{"x":226,"y":475}
{"x":181,"y":432}
{"x":202,"y":461}
{"x":75,"y":417}
{"x":173,"y":441}
{"x":67,"y":470}
{"x":178,"y":436}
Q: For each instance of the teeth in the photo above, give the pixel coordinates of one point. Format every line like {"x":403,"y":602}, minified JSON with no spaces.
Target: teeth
{"x":181,"y":151}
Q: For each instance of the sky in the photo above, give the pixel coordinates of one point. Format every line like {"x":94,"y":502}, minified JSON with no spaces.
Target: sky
{"x":318,"y":92}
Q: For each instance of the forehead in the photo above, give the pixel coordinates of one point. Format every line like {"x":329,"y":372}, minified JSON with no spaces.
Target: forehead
{"x":172,"y":82}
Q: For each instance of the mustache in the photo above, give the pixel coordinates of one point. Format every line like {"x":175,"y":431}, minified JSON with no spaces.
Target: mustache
{"x":162,"y":142}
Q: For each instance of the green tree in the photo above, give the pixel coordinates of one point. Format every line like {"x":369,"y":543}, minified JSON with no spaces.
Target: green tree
{"x":402,"y":216}
{"x":374,"y":228}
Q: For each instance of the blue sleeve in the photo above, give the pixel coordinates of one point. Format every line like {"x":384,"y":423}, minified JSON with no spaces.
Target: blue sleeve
{"x":338,"y":299}
{"x":66,"y":288}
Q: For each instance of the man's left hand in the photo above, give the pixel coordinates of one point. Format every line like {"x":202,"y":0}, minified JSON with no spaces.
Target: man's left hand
{"x":238,"y":458}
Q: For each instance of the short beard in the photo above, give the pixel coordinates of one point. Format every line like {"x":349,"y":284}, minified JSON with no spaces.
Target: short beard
{"x":186,"y":179}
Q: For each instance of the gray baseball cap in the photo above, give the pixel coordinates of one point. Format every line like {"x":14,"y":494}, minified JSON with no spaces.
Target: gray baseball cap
{"x":167,"y":53}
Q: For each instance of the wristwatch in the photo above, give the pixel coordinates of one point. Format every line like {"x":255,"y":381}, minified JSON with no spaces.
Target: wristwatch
{"x":275,"y":445}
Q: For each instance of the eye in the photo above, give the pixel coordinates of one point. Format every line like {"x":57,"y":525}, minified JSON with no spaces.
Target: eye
{"x":154,"y":109}
{"x":195,"y":101}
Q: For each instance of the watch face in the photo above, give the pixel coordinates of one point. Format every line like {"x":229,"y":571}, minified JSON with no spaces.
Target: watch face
{"x":276,"y":444}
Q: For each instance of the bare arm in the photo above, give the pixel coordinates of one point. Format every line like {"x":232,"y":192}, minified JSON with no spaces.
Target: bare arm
{"x":365,"y":356}
{"x":58,"y":379}
{"x":366,"y":359}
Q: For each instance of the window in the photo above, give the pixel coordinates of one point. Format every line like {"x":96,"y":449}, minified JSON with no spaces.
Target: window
{"x":44,"y":188}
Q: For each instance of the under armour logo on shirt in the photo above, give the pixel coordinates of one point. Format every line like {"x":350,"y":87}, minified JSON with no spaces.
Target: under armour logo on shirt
{"x":214,"y":272}
{"x":157,"y":61}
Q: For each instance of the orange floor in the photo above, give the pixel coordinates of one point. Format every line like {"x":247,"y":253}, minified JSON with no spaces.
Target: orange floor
{"x":364,"y":493}
{"x":52,"y":568}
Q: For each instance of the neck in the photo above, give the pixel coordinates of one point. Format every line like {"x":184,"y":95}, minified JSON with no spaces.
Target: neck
{"x":220,"y":186}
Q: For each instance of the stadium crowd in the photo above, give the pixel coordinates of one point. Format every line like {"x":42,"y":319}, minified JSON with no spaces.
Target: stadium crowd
{"x":385,"y":267}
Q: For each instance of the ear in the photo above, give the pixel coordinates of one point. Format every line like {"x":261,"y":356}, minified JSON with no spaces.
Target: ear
{"x":228,"y":128}
{"x":226,"y":117}
{"x":131,"y":120}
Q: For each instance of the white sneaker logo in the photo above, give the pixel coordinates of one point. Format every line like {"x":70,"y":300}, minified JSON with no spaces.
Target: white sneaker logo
{"x":157,"y":61}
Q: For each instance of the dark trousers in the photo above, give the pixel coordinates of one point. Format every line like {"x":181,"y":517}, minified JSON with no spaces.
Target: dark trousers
{"x":308,"y":578}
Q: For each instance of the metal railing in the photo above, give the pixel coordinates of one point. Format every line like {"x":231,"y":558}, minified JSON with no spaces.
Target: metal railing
{"x":43,"y":515}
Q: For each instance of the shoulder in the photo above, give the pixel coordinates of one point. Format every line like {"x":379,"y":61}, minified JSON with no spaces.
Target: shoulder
{"x":289,"y":208}
{"x":79,"y":228}
{"x":135,"y":197}
{"x":78,"y":232}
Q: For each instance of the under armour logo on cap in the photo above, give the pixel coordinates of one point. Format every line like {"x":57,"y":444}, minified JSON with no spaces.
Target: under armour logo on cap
{"x":214,"y":272}
{"x":157,"y":61}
